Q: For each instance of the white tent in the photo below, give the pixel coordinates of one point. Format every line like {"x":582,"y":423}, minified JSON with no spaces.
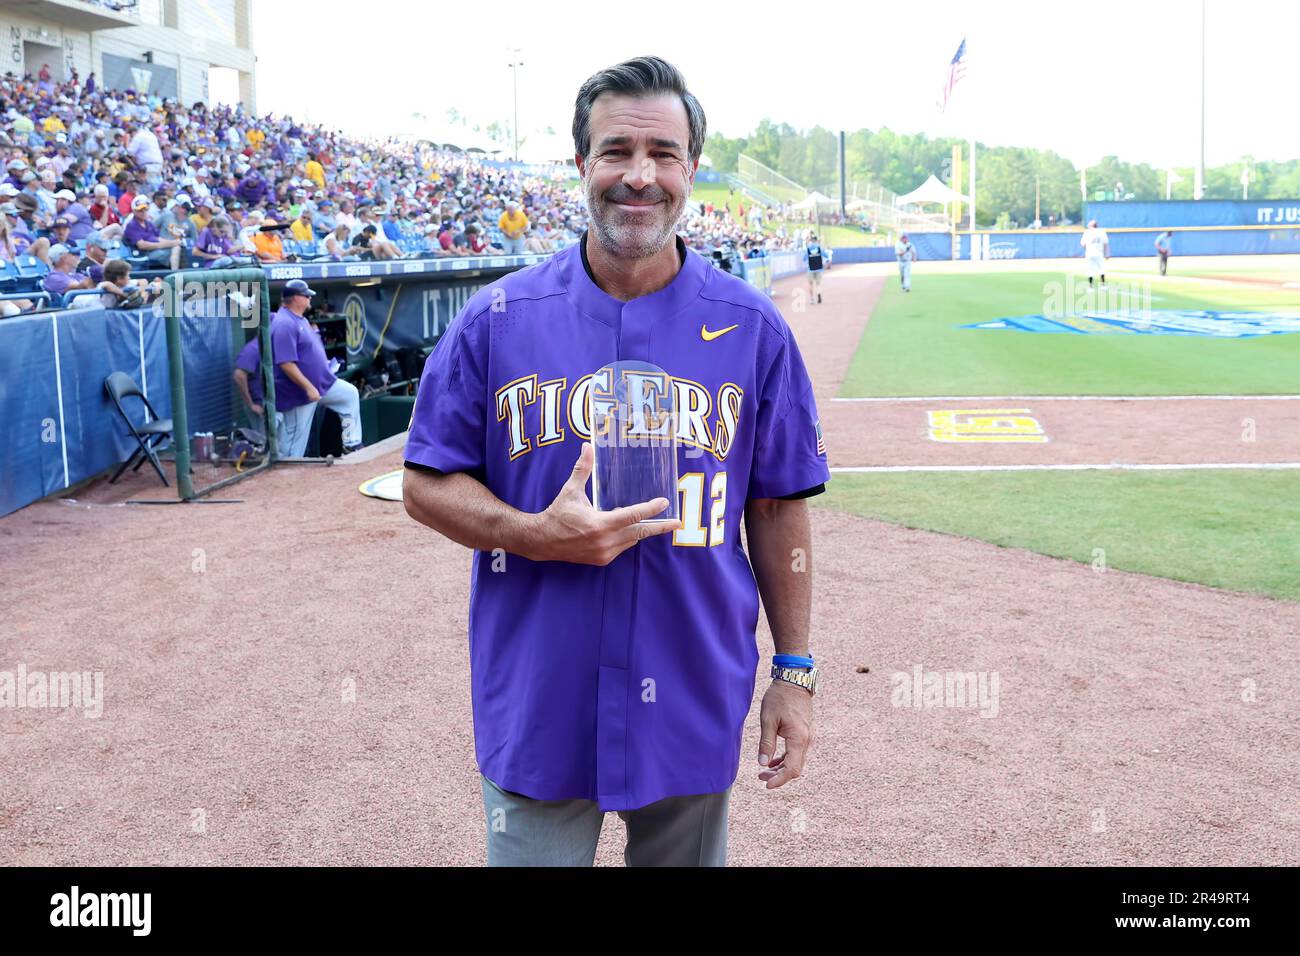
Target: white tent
{"x":815,"y":200}
{"x":931,"y":191}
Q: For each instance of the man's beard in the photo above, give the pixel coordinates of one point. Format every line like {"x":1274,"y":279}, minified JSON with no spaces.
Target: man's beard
{"x":638,"y":236}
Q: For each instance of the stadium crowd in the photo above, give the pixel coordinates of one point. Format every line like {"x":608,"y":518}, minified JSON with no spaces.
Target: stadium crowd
{"x":93,"y":175}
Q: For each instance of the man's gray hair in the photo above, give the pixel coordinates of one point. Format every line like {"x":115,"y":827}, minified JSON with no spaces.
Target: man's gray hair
{"x":641,"y":77}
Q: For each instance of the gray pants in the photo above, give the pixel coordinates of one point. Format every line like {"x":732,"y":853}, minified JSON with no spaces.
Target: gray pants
{"x":677,"y":831}
{"x":905,"y":272}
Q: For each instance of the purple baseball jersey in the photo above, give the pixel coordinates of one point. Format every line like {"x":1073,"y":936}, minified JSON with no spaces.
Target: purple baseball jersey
{"x":294,"y":340}
{"x":629,"y":683}
{"x":250,"y":360}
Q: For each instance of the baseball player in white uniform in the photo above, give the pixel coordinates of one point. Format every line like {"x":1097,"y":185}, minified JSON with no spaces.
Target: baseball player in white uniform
{"x":1096,"y":248}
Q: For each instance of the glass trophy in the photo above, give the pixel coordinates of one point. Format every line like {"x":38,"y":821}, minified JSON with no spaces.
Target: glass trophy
{"x":633,"y":437}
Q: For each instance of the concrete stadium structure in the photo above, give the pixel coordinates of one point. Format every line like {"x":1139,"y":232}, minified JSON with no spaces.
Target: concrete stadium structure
{"x":168,"y":47}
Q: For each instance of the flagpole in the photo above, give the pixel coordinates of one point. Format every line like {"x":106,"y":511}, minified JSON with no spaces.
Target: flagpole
{"x":972,"y":188}
{"x":970,"y":99}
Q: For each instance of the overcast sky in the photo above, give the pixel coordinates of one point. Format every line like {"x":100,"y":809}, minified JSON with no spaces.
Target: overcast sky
{"x":1086,"y":79}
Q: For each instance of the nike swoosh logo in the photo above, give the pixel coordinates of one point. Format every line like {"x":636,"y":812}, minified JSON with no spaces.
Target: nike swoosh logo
{"x":710,"y":336}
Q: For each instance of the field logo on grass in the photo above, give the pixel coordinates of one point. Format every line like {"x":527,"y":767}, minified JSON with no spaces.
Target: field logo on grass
{"x":922,"y":689}
{"x":1077,"y":307}
{"x":1187,"y":322}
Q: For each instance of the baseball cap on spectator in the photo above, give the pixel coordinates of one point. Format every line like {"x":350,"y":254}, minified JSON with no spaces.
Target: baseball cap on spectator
{"x":140,"y":202}
{"x":9,"y":209}
{"x":17,"y":165}
{"x":63,"y":222}
{"x":101,"y":190}
{"x":67,"y":194}
{"x":58,"y":251}
{"x":7,"y":189}
{"x":42,"y":160}
{"x":183,"y":200}
{"x":29,"y":177}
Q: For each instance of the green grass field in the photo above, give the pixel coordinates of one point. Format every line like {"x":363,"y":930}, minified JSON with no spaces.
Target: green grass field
{"x":1229,"y":529}
{"x":914,"y":344}
{"x":1232,"y":529}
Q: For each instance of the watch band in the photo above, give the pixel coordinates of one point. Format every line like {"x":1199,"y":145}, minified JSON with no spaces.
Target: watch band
{"x":801,"y":677}
{"x":791,"y":660}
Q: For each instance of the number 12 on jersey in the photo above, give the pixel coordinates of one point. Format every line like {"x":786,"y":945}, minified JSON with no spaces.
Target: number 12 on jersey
{"x":693,"y":532}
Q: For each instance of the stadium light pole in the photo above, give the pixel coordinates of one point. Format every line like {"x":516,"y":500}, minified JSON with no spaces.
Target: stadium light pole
{"x":515,"y":64}
{"x":1200,"y":170}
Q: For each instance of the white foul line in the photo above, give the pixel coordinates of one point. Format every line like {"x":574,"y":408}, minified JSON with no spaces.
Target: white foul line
{"x":1074,"y":398}
{"x":1112,"y":466}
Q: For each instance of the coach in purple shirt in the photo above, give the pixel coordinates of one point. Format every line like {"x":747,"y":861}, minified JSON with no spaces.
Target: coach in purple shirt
{"x":302,"y":373}
{"x":613,"y":661}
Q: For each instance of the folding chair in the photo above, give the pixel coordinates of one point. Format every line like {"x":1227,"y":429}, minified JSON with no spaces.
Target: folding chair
{"x":149,"y":435}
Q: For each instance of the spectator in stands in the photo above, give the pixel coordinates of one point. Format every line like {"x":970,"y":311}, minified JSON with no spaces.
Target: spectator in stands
{"x":315,"y":171}
{"x":63,"y":276}
{"x":120,"y":291}
{"x":379,"y":246}
{"x":252,"y":189}
{"x":388,"y":223}
{"x":93,"y":261}
{"x":347,"y":217}
{"x":145,"y":151}
{"x":66,"y":206}
{"x":267,"y":244}
{"x":21,"y":234}
{"x":202,"y":214}
{"x":161,"y":205}
{"x":477,"y":244}
{"x":513,"y":224}
{"x":143,"y":236}
{"x":447,"y":241}
{"x":535,"y":244}
{"x":17,"y":237}
{"x":248,"y":228}
{"x":216,"y":247}
{"x":124,"y":185}
{"x":59,"y":231}
{"x":338,"y":246}
{"x":178,"y":224}
{"x":302,"y":228}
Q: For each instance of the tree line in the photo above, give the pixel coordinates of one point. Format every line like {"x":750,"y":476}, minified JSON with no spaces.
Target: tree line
{"x":1006,"y":175}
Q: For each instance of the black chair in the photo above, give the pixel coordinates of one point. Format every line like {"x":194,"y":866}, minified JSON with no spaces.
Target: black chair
{"x":148,"y":436}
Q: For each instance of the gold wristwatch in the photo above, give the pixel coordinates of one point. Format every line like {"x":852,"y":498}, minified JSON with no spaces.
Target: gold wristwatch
{"x":805,"y":677}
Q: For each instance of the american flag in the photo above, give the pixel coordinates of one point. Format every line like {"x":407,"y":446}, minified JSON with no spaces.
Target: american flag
{"x":956,"y":70}
{"x":821,"y":441}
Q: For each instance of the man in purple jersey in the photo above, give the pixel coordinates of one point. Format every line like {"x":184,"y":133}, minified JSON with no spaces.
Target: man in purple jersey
{"x":613,"y":660}
{"x":303,"y":376}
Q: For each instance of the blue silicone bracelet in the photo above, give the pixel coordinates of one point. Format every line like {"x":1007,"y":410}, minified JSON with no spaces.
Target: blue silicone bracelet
{"x":791,"y":660}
